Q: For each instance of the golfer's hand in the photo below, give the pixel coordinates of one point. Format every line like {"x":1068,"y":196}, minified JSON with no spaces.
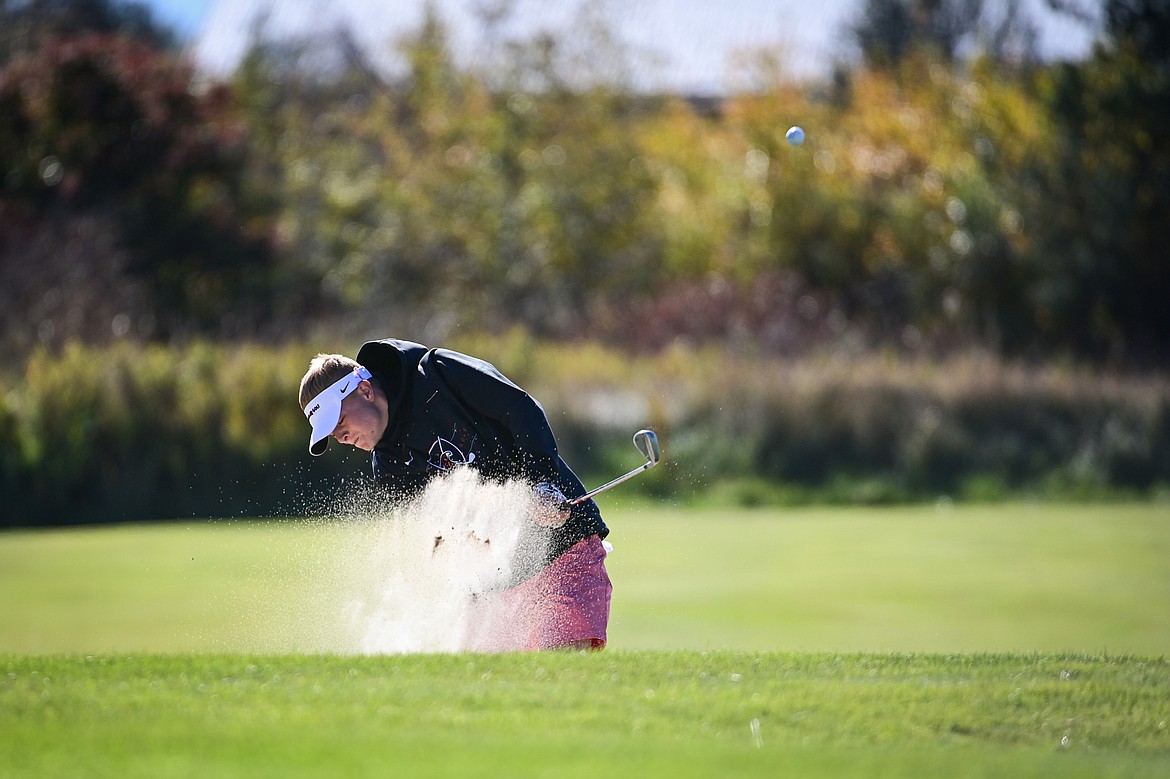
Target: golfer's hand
{"x":550,"y":507}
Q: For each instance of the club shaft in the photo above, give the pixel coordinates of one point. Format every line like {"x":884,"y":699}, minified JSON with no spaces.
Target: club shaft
{"x":607,"y":485}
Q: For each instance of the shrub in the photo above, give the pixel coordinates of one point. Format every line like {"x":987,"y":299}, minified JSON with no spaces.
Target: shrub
{"x":141,"y":432}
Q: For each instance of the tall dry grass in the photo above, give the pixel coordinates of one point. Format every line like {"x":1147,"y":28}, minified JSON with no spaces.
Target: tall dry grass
{"x":131,"y":432}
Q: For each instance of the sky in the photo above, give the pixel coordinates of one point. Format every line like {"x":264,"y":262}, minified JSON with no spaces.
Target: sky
{"x":687,"y":45}
{"x":186,"y":16}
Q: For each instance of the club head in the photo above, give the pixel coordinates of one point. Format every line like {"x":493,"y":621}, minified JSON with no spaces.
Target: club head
{"x":647,"y":443}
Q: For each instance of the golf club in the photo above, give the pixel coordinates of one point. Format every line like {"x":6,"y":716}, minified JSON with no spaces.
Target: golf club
{"x":647,"y":443}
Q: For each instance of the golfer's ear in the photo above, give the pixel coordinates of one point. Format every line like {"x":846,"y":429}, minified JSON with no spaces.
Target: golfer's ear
{"x":366,"y":388}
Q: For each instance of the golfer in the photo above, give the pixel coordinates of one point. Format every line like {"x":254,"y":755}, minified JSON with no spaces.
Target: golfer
{"x":422,"y":412}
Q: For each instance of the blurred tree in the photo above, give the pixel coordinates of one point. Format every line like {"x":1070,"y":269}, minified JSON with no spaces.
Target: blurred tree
{"x":422,"y":200}
{"x":1143,"y":25}
{"x":1104,"y":192}
{"x":887,"y":31}
{"x":121,"y":199}
{"x":348,"y":155}
{"x":903,"y":222}
{"x":25,"y":25}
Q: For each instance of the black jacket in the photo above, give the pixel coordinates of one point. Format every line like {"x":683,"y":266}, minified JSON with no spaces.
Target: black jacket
{"x":448,"y":409}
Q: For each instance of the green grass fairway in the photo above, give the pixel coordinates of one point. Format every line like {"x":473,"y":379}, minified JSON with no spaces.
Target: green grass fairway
{"x":1006,"y":641}
{"x":962,"y":579}
{"x":965,"y":579}
{"x":628,"y":714}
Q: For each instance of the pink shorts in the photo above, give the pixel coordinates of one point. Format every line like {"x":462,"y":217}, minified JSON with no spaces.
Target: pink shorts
{"x":567,"y":602}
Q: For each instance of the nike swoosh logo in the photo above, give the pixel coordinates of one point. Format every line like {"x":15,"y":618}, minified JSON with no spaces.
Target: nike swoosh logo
{"x":343,"y":389}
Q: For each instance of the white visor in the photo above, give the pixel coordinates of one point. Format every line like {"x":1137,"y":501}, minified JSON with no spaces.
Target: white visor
{"x":324,"y":411}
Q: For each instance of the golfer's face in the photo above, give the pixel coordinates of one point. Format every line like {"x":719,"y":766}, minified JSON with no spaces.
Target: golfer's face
{"x":362,"y":422}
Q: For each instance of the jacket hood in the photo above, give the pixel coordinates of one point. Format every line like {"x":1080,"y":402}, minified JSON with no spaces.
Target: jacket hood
{"x":392,"y":361}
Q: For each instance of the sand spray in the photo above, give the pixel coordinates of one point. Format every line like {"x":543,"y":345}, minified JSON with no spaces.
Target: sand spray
{"x":421,"y":576}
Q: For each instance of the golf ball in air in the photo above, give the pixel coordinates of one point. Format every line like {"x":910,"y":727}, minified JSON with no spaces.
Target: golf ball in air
{"x":795,"y":136}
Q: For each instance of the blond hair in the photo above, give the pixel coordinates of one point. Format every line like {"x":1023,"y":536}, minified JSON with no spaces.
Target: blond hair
{"x":324,"y":369}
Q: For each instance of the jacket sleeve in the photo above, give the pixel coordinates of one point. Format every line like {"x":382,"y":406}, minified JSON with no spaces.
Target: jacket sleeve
{"x":485,"y":391}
